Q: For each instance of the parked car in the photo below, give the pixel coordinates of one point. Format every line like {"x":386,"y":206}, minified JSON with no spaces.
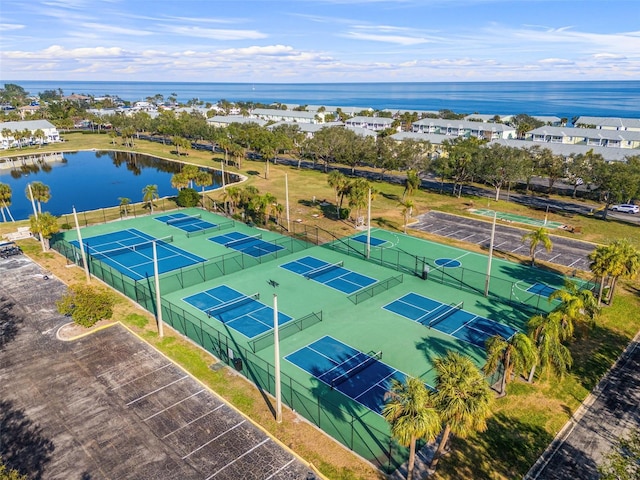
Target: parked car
{"x":625,"y":208}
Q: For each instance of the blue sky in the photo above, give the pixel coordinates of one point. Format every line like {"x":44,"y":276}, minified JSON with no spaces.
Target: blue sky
{"x":319,"y":40}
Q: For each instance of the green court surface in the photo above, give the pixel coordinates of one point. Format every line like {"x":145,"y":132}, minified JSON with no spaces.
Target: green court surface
{"x":319,"y":307}
{"x":512,"y":217}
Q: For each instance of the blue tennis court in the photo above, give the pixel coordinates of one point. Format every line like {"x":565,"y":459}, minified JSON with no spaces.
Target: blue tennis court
{"x":360,"y":376}
{"x":541,"y":289}
{"x":373,"y":241}
{"x":187,"y":223}
{"x":130,"y":252}
{"x":244,"y":313}
{"x":449,"y":319}
{"x":250,"y":244}
{"x":333,"y":275}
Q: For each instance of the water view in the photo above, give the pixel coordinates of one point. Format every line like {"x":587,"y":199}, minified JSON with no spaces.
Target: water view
{"x":87,"y":180}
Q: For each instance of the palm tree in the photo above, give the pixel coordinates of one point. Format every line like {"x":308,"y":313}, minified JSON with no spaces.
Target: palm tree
{"x":462,"y":398}
{"x":338,"y":181}
{"x":409,"y":412}
{"x":5,"y":201}
{"x":237,"y":153}
{"x":203,"y":179}
{"x":516,"y":355}
{"x":536,"y":237}
{"x":579,"y":306}
{"x":548,"y":332}
{"x":124,"y":205}
{"x":407,"y":211}
{"x":618,"y":259}
{"x":41,"y":193}
{"x":150,"y":193}
{"x":179,"y":181}
{"x":40,"y":136}
{"x":411,"y":183}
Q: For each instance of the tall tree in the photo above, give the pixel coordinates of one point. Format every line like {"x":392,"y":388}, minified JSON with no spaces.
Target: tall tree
{"x":411,"y":184}
{"x":407,"y":211}
{"x":339,"y":182}
{"x":45,"y":225}
{"x":41,"y":193}
{"x":539,"y":236}
{"x":124,"y":205}
{"x":409,"y":411}
{"x":149,"y":195}
{"x":619,"y":259}
{"x":462,"y":397}
{"x":5,"y":201}
{"x":548,"y":332}
{"x":516,"y":355}
{"x":579,"y":306}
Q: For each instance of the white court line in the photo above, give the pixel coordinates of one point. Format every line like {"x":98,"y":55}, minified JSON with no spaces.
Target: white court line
{"x":142,"y":376}
{"x":373,"y":386}
{"x":280,"y":469}
{"x":213,"y":439}
{"x":238,"y":458}
{"x":171,"y":406}
{"x":157,"y":390}
{"x":194,"y":420}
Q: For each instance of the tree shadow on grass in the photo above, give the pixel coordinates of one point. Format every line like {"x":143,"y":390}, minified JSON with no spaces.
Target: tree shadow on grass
{"x":506,"y":449}
{"x":23,"y":446}
{"x":9,"y":322}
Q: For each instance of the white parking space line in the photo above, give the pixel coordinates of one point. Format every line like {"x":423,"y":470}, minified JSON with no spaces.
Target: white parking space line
{"x":238,"y":458}
{"x":554,"y":257}
{"x":468,"y":236}
{"x":280,"y":469}
{"x":194,"y":420}
{"x":439,"y":230}
{"x":213,"y":440}
{"x":157,"y":390}
{"x":142,"y":376}
{"x":171,"y":406}
{"x":515,"y":250}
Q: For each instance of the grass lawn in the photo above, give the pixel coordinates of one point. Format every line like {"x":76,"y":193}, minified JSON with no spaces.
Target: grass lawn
{"x":524,"y":422}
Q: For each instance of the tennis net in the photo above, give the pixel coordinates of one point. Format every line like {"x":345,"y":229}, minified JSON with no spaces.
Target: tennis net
{"x":185,"y":219}
{"x":370,"y":359}
{"x":323,"y":269}
{"x":127,"y":248}
{"x":231,"y":304}
{"x":213,"y":227}
{"x":240,"y":241}
{"x":445,"y":314}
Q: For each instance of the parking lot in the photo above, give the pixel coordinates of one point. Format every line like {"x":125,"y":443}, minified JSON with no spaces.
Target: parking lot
{"x":566,"y":252}
{"x":110,"y":406}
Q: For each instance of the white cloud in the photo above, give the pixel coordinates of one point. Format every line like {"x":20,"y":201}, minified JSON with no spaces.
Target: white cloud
{"x":397,"y":39}
{"x":7,"y":27}
{"x":214,"y":33}
{"x":112,"y":29}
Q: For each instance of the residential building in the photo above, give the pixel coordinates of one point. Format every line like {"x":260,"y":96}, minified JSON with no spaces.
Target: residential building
{"x":464,"y":128}
{"x":8,"y":140}
{"x":586,"y":136}
{"x":272,"y":114}
{"x":609,"y":123}
{"x":226,"y":120}
{"x":370,"y":123}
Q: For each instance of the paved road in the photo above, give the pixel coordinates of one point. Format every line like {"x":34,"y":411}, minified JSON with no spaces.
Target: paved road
{"x":108,"y":406}
{"x":610,"y":412}
{"x":567,"y":252}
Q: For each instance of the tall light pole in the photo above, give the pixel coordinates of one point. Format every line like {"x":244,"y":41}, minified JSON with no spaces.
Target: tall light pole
{"x":82,"y":253}
{"x":276,"y":354}
{"x":493,"y":235}
{"x":369,"y":226}
{"x":158,"y":296}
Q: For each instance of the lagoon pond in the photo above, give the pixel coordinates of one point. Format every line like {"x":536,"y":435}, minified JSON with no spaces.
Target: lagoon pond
{"x":88,"y":180}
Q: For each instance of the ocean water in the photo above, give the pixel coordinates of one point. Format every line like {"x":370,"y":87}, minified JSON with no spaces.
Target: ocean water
{"x":563,"y":99}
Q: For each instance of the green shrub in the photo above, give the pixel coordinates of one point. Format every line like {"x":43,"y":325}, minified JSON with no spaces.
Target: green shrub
{"x":188,"y":197}
{"x":86,"y":305}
